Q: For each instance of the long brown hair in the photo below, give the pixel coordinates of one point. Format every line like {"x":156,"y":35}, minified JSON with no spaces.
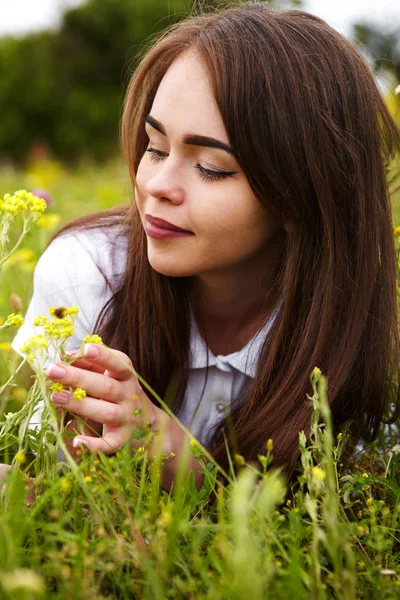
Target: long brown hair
{"x":311,"y":132}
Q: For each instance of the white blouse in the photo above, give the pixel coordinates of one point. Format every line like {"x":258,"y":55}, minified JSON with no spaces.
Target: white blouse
{"x":66,"y":274}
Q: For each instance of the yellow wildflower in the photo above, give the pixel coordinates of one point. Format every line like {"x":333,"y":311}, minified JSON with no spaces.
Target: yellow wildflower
{"x":65,"y":485}
{"x":5,"y":346}
{"x":396,"y":231}
{"x":71,"y":311}
{"x":79,"y":394}
{"x":318,"y":473}
{"x":14,"y":320}
{"x":34,"y":343}
{"x":270,"y":445}
{"x":56,"y":386}
{"x":20,"y":458}
{"x":87,"y":479}
{"x":40,"y":320}
{"x":94,"y":339}
{"x":21,"y":201}
{"x":59,"y":328}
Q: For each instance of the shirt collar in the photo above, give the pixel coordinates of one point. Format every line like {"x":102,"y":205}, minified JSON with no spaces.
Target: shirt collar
{"x":244,"y":360}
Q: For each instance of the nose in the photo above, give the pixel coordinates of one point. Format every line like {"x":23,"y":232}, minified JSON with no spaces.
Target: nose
{"x":166,"y":184}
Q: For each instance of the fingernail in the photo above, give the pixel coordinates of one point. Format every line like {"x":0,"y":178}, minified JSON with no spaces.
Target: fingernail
{"x":77,"y":442}
{"x":55,"y":371}
{"x":60,"y":397}
{"x":90,"y":351}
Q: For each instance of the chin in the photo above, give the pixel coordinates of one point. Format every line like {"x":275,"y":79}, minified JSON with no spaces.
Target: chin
{"x":169,"y":268}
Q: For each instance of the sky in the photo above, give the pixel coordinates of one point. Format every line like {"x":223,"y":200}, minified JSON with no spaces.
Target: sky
{"x":19,"y":16}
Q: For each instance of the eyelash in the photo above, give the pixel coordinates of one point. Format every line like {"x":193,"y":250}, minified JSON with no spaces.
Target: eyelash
{"x":205,"y":174}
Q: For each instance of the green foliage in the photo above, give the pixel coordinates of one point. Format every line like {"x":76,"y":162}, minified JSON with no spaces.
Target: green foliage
{"x":66,"y":88}
{"x":108,"y":529}
{"x":382,"y":45}
{"x":28,"y":92}
{"x":104,"y":527}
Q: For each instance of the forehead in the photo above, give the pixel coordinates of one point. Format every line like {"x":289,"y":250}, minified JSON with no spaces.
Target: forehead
{"x":184,"y":102}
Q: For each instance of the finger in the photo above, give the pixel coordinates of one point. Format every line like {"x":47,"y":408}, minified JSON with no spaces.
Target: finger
{"x":100,"y":411}
{"x":109,"y":444}
{"x":97,"y":385}
{"x":118,"y":364}
{"x":76,"y":359}
{"x":83,"y":363}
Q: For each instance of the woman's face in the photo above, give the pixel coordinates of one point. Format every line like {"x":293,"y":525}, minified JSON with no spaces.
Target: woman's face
{"x":189,"y":177}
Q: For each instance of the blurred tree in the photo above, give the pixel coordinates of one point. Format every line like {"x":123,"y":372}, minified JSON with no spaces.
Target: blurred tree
{"x":382,"y":45}
{"x":94,"y":46}
{"x":28,"y":92}
{"x":64,"y":89}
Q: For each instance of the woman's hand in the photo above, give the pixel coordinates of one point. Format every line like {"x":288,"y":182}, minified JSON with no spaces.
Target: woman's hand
{"x":116,"y":402}
{"x":114,"y":398}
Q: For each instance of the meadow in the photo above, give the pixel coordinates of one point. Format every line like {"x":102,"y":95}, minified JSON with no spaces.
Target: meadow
{"x":104,"y":527}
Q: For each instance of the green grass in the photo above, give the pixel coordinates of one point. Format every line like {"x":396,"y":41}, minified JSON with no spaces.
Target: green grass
{"x":81,"y":192}
{"x":103,"y":526}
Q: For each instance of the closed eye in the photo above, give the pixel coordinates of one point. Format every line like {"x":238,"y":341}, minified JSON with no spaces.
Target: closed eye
{"x":207,"y":175}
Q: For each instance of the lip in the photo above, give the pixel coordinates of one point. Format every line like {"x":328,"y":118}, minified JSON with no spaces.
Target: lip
{"x":161,"y":230}
{"x":161,"y":224}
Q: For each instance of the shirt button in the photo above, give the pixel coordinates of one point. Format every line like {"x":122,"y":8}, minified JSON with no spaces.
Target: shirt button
{"x":221,"y":407}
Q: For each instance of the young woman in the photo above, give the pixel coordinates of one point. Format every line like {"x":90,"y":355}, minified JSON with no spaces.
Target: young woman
{"x":259,"y":244}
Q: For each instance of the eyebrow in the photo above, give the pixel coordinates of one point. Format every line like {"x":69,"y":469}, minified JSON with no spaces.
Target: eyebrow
{"x":190,"y":138}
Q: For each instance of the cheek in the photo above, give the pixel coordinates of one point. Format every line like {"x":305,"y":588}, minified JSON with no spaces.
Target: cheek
{"x":236,"y":218}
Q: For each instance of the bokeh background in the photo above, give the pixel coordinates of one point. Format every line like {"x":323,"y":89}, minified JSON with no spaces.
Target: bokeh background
{"x":62,"y":84}
{"x":64,"y":67}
